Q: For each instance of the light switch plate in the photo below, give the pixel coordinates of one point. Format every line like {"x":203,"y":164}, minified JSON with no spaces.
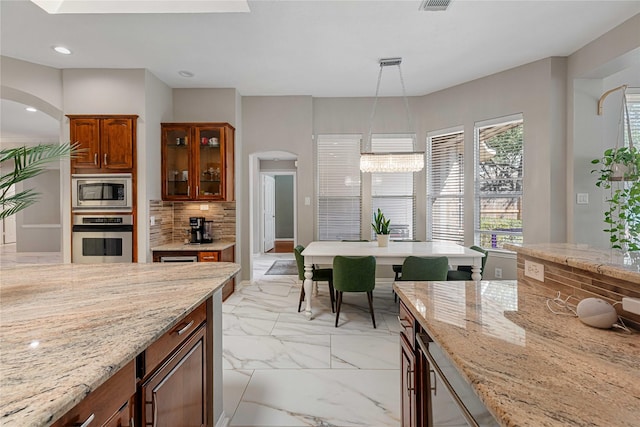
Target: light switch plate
{"x":204,"y":207}
{"x":582,"y":198}
{"x":534,"y":270}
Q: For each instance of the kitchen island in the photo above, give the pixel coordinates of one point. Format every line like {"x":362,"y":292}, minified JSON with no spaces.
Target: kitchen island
{"x":66,"y":329}
{"x":528,"y":366}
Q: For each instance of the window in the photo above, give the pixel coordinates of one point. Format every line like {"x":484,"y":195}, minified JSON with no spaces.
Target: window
{"x":498,"y":194}
{"x":394,"y":193}
{"x":633,"y":106}
{"x":338,"y":179}
{"x":445,"y":186}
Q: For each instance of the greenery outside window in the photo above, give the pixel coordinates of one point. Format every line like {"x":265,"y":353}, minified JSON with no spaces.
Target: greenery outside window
{"x":499,"y":177}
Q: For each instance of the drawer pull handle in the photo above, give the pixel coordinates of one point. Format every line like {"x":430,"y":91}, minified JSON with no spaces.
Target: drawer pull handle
{"x":88,"y":420}
{"x":105,"y":159}
{"x":95,"y":159}
{"x":404,"y":323}
{"x":409,"y":382}
{"x":184,"y":329}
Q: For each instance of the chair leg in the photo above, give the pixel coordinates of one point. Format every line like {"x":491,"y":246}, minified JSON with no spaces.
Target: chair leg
{"x":332,"y":296}
{"x":370,"y":298}
{"x":338,"y":304}
{"x":301,"y":297}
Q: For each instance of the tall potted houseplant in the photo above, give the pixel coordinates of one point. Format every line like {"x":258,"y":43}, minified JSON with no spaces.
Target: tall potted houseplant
{"x":27,"y":162}
{"x":619,"y":173}
{"x":381,"y":227}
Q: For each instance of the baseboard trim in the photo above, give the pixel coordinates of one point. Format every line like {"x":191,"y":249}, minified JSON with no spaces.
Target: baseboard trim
{"x":223,"y":421}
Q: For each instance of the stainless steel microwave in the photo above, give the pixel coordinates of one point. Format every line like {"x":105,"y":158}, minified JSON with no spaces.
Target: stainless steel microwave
{"x":98,"y":192}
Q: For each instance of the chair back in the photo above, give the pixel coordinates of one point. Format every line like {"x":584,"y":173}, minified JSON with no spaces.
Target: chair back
{"x":425,"y":268}
{"x":297,"y":251}
{"x":354,"y":273}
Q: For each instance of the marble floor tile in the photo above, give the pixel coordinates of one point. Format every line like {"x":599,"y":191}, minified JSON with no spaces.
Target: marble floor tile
{"x":365,"y":352}
{"x":284,"y":370}
{"x":271,"y":352}
{"x":319,"y":397}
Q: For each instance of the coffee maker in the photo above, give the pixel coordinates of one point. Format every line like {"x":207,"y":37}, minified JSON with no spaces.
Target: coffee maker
{"x":197,"y":229}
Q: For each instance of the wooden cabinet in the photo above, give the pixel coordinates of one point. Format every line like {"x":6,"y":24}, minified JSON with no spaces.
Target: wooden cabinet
{"x":109,"y":143}
{"x":408,"y":368}
{"x":176,"y":393}
{"x":109,"y":405}
{"x":197,"y":161}
{"x":167,"y":385}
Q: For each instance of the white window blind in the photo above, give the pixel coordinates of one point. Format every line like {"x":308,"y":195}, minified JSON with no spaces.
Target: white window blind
{"x":394,"y":193}
{"x":338,"y":180}
{"x":499,"y":177}
{"x":445,"y":186}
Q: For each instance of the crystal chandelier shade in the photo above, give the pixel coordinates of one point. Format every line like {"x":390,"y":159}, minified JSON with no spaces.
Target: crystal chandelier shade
{"x":390,"y":162}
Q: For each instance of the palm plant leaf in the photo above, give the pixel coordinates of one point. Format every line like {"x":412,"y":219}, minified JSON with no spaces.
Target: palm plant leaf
{"x":27,"y":163}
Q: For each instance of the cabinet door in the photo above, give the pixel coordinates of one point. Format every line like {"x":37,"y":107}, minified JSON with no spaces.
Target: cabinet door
{"x":176,"y":162}
{"x":116,"y":139}
{"x":86,"y":131}
{"x":407,"y":384}
{"x":175,"y":395}
{"x":210,"y":162}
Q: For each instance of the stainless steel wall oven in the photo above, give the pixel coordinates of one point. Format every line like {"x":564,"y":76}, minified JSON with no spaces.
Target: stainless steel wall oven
{"x":102,"y":238}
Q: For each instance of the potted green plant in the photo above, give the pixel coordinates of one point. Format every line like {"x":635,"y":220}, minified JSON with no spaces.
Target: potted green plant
{"x":381,"y":227}
{"x":26,"y":163}
{"x":618,"y":173}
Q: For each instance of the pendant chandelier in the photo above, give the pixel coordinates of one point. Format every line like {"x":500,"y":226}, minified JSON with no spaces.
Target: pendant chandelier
{"x":390,"y":162}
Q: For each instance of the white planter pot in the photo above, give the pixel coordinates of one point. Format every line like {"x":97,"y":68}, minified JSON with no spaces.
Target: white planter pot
{"x":383,"y":240}
{"x":620,"y":172}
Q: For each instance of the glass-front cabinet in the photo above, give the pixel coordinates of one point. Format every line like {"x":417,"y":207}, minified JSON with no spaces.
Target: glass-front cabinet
{"x":197,"y":161}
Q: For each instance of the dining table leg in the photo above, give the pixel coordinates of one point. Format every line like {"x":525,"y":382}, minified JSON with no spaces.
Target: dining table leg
{"x":475,"y":273}
{"x":308,"y":285}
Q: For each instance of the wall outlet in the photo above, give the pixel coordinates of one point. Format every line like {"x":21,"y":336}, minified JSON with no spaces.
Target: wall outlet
{"x":534,"y":270}
{"x":632,"y":305}
{"x":152,"y":220}
{"x":204,"y":207}
{"x":498,"y":273}
{"x":582,"y":198}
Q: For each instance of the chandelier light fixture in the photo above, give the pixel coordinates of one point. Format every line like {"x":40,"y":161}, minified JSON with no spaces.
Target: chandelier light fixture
{"x":390,"y":162}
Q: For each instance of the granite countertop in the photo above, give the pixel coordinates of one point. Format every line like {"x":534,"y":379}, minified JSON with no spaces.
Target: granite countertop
{"x":609,"y":262}
{"x":66,"y":328}
{"x":216,"y":245}
{"x":529,"y":366}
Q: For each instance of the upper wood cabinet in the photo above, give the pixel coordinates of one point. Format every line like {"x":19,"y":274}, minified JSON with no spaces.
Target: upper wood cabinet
{"x":109,"y":142}
{"x":197,"y":161}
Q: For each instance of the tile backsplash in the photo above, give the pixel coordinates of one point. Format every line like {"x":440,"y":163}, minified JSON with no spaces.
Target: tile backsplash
{"x":172,"y":220}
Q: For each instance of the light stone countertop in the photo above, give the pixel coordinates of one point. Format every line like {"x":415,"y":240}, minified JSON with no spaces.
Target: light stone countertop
{"x":607,"y":262}
{"x":66,"y":328}
{"x":529,"y":366}
{"x":216,"y":245}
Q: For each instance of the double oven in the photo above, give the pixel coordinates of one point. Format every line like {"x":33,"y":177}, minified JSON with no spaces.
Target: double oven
{"x":102,"y":207}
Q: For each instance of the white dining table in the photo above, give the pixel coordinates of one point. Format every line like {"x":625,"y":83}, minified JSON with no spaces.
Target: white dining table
{"x":323,"y":252}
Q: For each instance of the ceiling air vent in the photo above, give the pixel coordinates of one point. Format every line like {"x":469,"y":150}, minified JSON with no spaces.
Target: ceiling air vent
{"x":434,"y":5}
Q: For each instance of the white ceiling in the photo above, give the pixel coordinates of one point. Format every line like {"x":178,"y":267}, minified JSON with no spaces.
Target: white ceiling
{"x":318,"y":48}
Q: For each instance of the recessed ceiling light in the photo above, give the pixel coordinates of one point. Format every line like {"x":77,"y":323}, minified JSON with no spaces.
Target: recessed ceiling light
{"x":61,"y":49}
{"x":184,"y":73}
{"x":31,"y":109}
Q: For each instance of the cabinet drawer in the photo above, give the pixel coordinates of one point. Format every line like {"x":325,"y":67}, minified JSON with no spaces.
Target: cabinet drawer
{"x":407,"y":324}
{"x":105,"y":401}
{"x":166,"y":344}
{"x":211,"y":256}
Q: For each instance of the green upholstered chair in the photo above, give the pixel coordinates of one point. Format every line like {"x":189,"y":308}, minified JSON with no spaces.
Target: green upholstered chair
{"x":463,"y":272}
{"x":425,"y":268}
{"x":319,"y":275}
{"x":354,"y":274}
